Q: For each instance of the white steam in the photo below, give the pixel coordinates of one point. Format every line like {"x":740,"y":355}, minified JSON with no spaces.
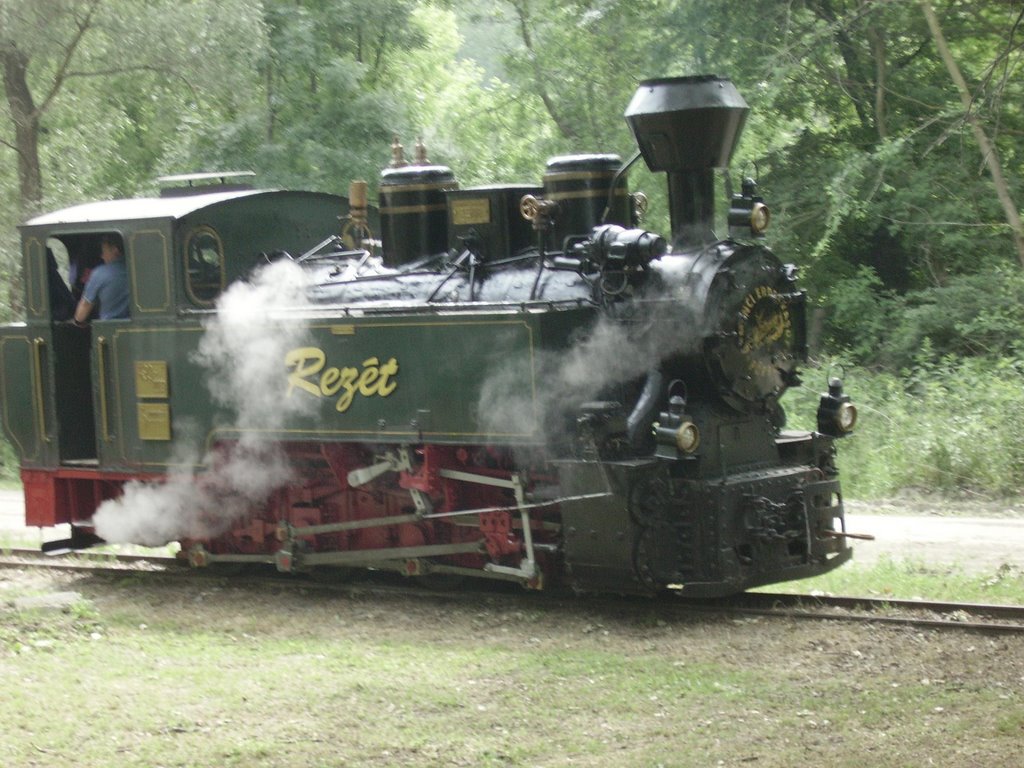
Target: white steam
{"x":242,"y":350}
{"x":611,"y":353}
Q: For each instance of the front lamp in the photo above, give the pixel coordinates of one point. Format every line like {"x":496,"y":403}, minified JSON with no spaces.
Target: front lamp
{"x":760,"y":218}
{"x":837,"y":415}
{"x":846,"y":418}
{"x":687,"y":437}
{"x":676,"y":434}
{"x":748,"y":215}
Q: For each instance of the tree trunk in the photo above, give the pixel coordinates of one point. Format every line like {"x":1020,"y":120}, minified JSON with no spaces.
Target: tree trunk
{"x":877,"y":40}
{"x":539,"y":78}
{"x":26,"y":128}
{"x":988,"y":150}
{"x":856,"y":84}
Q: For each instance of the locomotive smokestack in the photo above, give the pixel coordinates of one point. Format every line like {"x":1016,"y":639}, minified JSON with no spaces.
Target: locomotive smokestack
{"x":688,"y":126}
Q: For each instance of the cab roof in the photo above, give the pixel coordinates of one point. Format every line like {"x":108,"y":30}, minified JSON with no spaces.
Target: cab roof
{"x":138,"y":208}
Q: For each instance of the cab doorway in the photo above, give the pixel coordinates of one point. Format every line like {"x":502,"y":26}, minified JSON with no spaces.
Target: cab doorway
{"x":70,"y":259}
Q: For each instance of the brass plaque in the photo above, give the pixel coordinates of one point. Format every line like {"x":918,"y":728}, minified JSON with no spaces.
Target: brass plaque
{"x":151,"y":378}
{"x":343,"y":330}
{"x":476,"y":210}
{"x":154,"y":421}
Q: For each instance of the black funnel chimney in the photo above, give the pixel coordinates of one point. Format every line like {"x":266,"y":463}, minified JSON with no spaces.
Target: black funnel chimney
{"x":688,"y":126}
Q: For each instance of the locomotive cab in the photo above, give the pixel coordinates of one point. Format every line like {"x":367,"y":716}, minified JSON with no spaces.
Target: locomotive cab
{"x":89,"y":407}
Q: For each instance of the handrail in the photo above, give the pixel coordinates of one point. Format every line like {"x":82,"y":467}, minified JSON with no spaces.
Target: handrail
{"x":102,"y":374}
{"x":37,"y":346}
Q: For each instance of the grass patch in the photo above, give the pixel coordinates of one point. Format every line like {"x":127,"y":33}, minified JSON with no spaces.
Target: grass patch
{"x":176,"y":672}
{"x":172,"y":693}
{"x":25,"y":538}
{"x":907,"y":579}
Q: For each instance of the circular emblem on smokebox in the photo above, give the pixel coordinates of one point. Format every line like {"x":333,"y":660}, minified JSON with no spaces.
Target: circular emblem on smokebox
{"x":764,"y":321}
{"x":756,"y":358}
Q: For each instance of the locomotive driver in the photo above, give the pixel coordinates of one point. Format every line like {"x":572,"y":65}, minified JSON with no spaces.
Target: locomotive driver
{"x":108,"y":284}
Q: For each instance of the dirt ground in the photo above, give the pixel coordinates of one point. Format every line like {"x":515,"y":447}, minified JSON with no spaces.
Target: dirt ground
{"x":361,"y":678}
{"x":978,"y":537}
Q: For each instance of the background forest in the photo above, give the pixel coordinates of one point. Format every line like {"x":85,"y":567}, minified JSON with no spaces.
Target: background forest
{"x":887,"y":136}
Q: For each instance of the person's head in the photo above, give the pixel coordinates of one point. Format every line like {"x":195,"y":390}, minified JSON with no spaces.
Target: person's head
{"x":111,"y":247}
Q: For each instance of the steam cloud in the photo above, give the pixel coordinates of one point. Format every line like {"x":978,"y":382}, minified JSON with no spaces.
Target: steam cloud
{"x":611,"y":353}
{"x":242,"y":350}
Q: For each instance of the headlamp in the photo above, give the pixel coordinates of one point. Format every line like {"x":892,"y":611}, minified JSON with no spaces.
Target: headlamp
{"x":837,"y":416}
{"x":760,"y":218}
{"x":687,"y":437}
{"x":676,"y":434}
{"x":846,"y":418}
{"x":748,"y":215}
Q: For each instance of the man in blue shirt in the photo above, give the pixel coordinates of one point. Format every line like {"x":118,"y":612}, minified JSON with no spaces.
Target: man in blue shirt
{"x":108,"y":284}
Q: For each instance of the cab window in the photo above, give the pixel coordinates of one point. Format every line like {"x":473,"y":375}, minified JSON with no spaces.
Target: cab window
{"x":204,"y":265}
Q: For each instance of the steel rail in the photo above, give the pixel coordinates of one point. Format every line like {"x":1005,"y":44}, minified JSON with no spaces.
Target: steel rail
{"x":1001,"y":619}
{"x":951,"y":616}
{"x":34,"y":558}
{"x":989,"y":610}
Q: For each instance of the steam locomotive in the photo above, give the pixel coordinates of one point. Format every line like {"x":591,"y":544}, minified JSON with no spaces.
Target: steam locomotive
{"x":514,"y":382}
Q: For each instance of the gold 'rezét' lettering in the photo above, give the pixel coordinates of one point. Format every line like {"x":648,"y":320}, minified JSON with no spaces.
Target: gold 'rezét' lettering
{"x":385,"y":386}
{"x":371,"y":372}
{"x":305,"y":362}
{"x":309,"y":373}
{"x":330,"y":382}
{"x":349,"y":377}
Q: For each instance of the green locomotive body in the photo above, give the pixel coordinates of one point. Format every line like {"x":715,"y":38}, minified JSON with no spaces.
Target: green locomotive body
{"x":557,"y":397}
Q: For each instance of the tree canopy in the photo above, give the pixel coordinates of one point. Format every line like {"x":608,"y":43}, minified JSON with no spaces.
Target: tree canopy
{"x":885,"y":135}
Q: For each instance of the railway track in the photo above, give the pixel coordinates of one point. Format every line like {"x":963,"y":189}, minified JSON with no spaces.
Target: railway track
{"x":89,"y":561}
{"x":937,"y":615}
{"x":977,"y":617}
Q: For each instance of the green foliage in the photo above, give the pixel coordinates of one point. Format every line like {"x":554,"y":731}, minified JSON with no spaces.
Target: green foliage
{"x":944,"y":427}
{"x":583,"y":61}
{"x":861,"y":311}
{"x":472,"y":124}
{"x":10,"y":275}
{"x":109,"y":110}
{"x":857,"y":135}
{"x":346,"y":138}
{"x":973,"y":315}
{"x":331,"y":100}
